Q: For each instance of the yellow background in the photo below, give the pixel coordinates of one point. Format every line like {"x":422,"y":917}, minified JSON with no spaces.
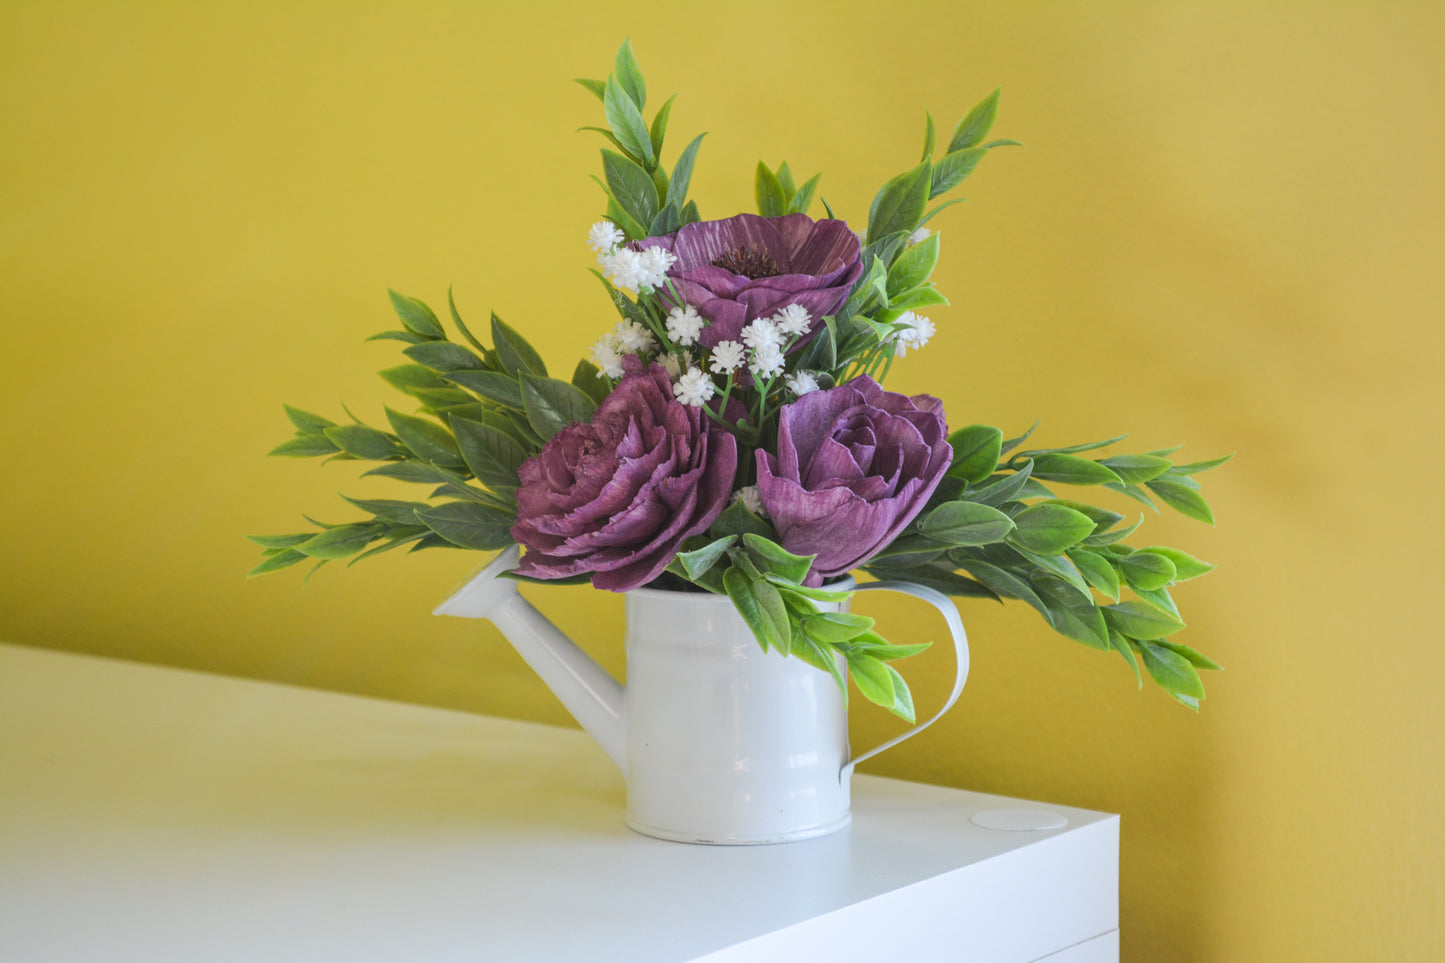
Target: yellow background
{"x":1225,"y":230}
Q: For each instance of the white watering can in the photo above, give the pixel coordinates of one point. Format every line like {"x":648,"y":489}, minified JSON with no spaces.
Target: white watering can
{"x":718,"y":741}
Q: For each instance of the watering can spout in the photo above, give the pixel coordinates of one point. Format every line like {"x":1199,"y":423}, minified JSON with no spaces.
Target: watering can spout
{"x":588,"y":692}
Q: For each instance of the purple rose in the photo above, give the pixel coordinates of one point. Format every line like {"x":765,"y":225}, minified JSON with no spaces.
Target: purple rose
{"x":855,"y":464}
{"x":616,"y":497}
{"x":748,"y":267}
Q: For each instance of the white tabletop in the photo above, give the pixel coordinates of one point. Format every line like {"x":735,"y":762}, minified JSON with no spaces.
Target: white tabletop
{"x":156,"y":814}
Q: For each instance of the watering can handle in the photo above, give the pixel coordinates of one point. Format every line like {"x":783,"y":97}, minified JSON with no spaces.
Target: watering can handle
{"x":960,"y":647}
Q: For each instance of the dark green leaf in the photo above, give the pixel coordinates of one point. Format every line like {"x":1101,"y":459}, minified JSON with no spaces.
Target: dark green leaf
{"x":624,"y":220}
{"x":492,"y":385}
{"x":406,"y":336}
{"x":305,"y":446}
{"x":697,"y":562}
{"x":491,"y":455}
{"x":1074,"y":449}
{"x":462,"y":327}
{"x":737,"y":520}
{"x":517,"y":356}
{"x":274,"y":563}
{"x":1013,"y":443}
{"x":657,"y":133}
{"x":1048,"y":529}
{"x":278,"y":542}
{"x":392,"y":510}
{"x":1097,"y":571}
{"x":976,"y":123}
{"x":416,"y":317}
{"x":626,"y":122}
{"x":1121,"y":645}
{"x":682,"y":172}
{"x":469,"y":525}
{"x":426,"y":439}
{"x":343,"y":541}
{"x":1006,"y":583}
{"x":552,"y":405}
{"x":1002,"y":488}
{"x":1109,"y":538}
{"x":1138,"y":620}
{"x":966,"y":523}
{"x":976,"y":451}
{"x":913,"y":268}
{"x":899,"y":204}
{"x":306,"y":423}
{"x":414,"y":472}
{"x":444,"y":356}
{"x":1160,"y":599}
{"x":411,"y":378}
{"x":587,"y":379}
{"x":1072,"y":614}
{"x":944,"y":580}
{"x":632,"y":187}
{"x":1133,"y":491}
{"x":772,"y":557}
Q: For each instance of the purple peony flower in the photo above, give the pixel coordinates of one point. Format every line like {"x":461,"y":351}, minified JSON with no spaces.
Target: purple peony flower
{"x":616,"y":497}
{"x":854,"y":465}
{"x":748,"y":267}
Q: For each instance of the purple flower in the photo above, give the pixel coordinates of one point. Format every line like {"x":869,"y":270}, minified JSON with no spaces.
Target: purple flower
{"x":748,"y":267}
{"x":854,"y":465}
{"x":616,"y":497}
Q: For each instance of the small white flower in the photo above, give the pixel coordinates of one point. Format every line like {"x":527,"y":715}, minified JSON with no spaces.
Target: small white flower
{"x":606,"y":356}
{"x":919,"y":236}
{"x":684,"y":324}
{"x":622,"y":267}
{"x":750,"y":498}
{"x":653,"y":264}
{"x":801,"y":382}
{"x":762,"y":332}
{"x":727,"y":357}
{"x":915,"y":336}
{"x":793,"y":320}
{"x":604,"y":236}
{"x":633,"y":338}
{"x":767,"y":361}
{"x":694,"y":388}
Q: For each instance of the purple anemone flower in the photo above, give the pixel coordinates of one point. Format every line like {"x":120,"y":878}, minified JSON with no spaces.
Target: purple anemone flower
{"x":748,"y":267}
{"x":615,"y":498}
{"x":854,"y":465}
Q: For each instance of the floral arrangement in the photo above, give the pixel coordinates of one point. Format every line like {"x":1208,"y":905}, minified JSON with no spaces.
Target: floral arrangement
{"x":731,"y":433}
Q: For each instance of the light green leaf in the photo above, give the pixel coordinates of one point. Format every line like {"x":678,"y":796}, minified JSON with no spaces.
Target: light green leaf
{"x":343,"y":541}
{"x":833,"y":627}
{"x":285,"y":558}
{"x":1121,"y":645}
{"x":1072,"y":614}
{"x":976,"y":451}
{"x":1071,"y":470}
{"x":1138,"y":620}
{"x":682,"y":172}
{"x":278,"y":542}
{"x":1196,"y":658}
{"x":952,"y":168}
{"x":1048,"y":529}
{"x":596,"y":86}
{"x":966,"y":523}
{"x":772,"y":557}
{"x":1182,"y":499}
{"x":1194,"y":468}
{"x":552,"y":405}
{"x":469,"y":525}
{"x":976,"y":123}
{"x":803,"y":199}
{"x":768,"y":192}
{"x":1172,"y":671}
{"x":697,"y":562}
{"x":411,"y":378}
{"x":1146,"y":570}
{"x":1186,"y":566}
{"x":930,"y":136}
{"x":629,"y":75}
{"x":913,"y":268}
{"x":755,"y":612}
{"x":626,"y":122}
{"x":899,"y":204}
{"x":1137,"y":468}
{"x":657,"y":133}
{"x":1097,"y":571}
{"x":873,"y":679}
{"x":902,"y":706}
{"x":817,"y":594}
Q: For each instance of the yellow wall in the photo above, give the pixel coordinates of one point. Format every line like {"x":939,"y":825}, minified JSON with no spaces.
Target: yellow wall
{"x":1225,"y":230}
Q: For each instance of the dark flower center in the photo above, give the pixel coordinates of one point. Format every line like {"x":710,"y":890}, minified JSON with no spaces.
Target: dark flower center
{"x":749,"y":263}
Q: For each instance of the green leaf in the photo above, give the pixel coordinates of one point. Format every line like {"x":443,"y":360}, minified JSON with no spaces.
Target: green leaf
{"x":629,"y":75}
{"x":899,"y":204}
{"x":392,"y":510}
{"x":624,"y":220}
{"x":1059,"y":566}
{"x":657,"y":133}
{"x":491,"y":455}
{"x":1005,"y":583}
{"x":1048,"y":529}
{"x":426,"y":439}
{"x":596,"y":86}
{"x":444,"y":356}
{"x":920,"y":297}
{"x":343,"y":541}
{"x":817,"y":594}
{"x":1073,"y":449}
{"x":470,"y":525}
{"x":1196,"y":658}
{"x":411,"y":378}
{"x":626,"y":122}
{"x":952,"y":168}
{"x":517,"y":356}
{"x":406,"y":336}
{"x":1172,"y":671}
{"x":771,"y":200}
{"x":1194,"y":468}
{"x":697,"y":562}
{"x":930,"y":136}
{"x":1146,"y":570}
{"x":552,"y":405}
{"x":413,"y":472}
{"x":1121,"y":645}
{"x":306,"y":423}
{"x":803,"y":199}
{"x":416,"y":317}
{"x":966,"y":523}
{"x":1102,"y":539}
{"x":976,"y":451}
{"x":976,"y":123}
{"x":682,"y":172}
{"x":492,"y":385}
{"x":1133,"y":491}
{"x":873,"y":679}
{"x":587,"y":379}
{"x":305,"y":446}
{"x":831,"y":628}
{"x":278,"y":542}
{"x":1071,"y":470}
{"x":763,"y":610}
{"x":1013,"y":443}
{"x":1186,"y":566}
{"x":461,"y":325}
{"x":1137,"y":468}
{"x":772,"y":557}
{"x":1183,"y":499}
{"x":902,"y":699}
{"x":1138,"y":620}
{"x":737,"y":520}
{"x":1097,"y":571}
{"x":1002,"y":488}
{"x":944,"y":580}
{"x":632,"y":187}
{"x":914,"y":267}
{"x":1072,"y":614}
{"x":274,"y":563}
{"x":1161,"y":600}
{"x":785,"y":180}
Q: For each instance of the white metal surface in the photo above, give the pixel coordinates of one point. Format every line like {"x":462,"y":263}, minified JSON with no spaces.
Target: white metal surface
{"x":151,"y":814}
{"x":718,"y":741}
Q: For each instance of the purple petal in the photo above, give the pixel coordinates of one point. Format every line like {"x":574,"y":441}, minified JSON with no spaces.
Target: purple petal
{"x":828,"y":242}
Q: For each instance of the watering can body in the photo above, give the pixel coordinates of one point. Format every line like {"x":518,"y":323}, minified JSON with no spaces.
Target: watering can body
{"x":718,"y":741}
